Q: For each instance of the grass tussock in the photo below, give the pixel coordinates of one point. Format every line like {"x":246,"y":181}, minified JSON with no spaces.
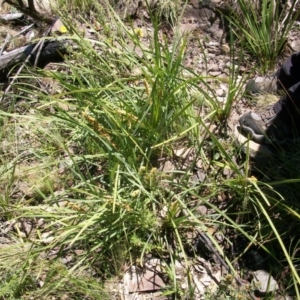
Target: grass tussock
{"x":98,"y":196}
{"x":264,"y":31}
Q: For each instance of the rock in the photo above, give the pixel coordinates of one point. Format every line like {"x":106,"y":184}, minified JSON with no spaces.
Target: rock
{"x":224,"y":87}
{"x":214,"y":73}
{"x":202,"y":209}
{"x":221,"y":99}
{"x":67,"y":259}
{"x":144,"y":279}
{"x":198,"y":177}
{"x":213,"y":67}
{"x":45,"y":6}
{"x":295,"y":45}
{"x":215,"y":30}
{"x":201,"y":176}
{"x":166,"y":166}
{"x":227,"y":172}
{"x":286,"y":297}
{"x":183,"y":152}
{"x":220,"y":92}
{"x":47,"y":238}
{"x":185,"y":28}
{"x":199,"y":163}
{"x":264,"y":282}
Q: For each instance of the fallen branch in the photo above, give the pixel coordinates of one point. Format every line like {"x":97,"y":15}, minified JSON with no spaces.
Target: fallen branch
{"x":30,"y":10}
{"x":11,"y":17}
{"x":9,"y":37}
{"x":53,"y":50}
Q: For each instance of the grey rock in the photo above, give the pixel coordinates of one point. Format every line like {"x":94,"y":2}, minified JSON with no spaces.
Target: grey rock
{"x":216,"y":31}
{"x":202,"y":209}
{"x":264,"y":282}
{"x":214,"y":73}
{"x":147,"y":279}
{"x":220,"y":92}
{"x":213,"y":67}
{"x":221,"y":99}
{"x":295,"y":45}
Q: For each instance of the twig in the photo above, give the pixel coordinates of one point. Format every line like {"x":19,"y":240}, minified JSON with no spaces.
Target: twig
{"x":287,"y":15}
{"x":38,"y":47}
{"x":31,"y":5}
{"x":21,"y":68}
{"x":24,"y":30}
{"x":30,"y":11}
{"x":9,"y":38}
{"x":11,"y":17}
{"x":6,"y":42}
{"x":207,"y":242}
{"x":43,"y":41}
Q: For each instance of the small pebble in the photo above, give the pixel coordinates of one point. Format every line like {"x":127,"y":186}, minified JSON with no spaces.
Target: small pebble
{"x":220,"y":92}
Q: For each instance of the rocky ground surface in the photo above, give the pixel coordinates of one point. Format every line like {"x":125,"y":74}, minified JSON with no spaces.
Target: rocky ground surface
{"x":208,"y":53}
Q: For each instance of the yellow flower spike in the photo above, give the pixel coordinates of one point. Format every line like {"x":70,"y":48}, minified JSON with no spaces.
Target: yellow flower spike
{"x":97,"y":127}
{"x":135,"y":193}
{"x":153,"y":170}
{"x":139,"y":32}
{"x":252,"y":178}
{"x":124,"y":113}
{"x":146,"y":87}
{"x":142,"y":169}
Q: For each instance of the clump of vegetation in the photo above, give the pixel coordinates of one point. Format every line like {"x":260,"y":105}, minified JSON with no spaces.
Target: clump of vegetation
{"x":107,"y":201}
{"x":262,"y":28}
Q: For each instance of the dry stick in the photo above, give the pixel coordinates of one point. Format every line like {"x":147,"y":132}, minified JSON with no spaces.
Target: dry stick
{"x":6,"y":42}
{"x":31,"y":5}
{"x":39,"y":50}
{"x":9,"y":38}
{"x":11,"y":17}
{"x":38,"y":47}
{"x":24,"y":30}
{"x":43,"y":41}
{"x":21,"y":68}
{"x":207,"y":242}
{"x":28,"y":11}
{"x":283,"y":21}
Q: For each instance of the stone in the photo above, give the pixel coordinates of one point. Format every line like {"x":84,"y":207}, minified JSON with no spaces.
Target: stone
{"x":213,"y":67}
{"x":224,"y":87}
{"x":202,"y":209}
{"x":264,"y":282}
{"x":214,"y":73}
{"x":201,"y":176}
{"x":186,"y":28}
{"x":220,"y":92}
{"x":144,"y":279}
{"x":183,"y":152}
{"x":215,"y":30}
{"x":45,"y":6}
{"x":166,"y":166}
{"x":221,"y":99}
{"x":47,"y":238}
